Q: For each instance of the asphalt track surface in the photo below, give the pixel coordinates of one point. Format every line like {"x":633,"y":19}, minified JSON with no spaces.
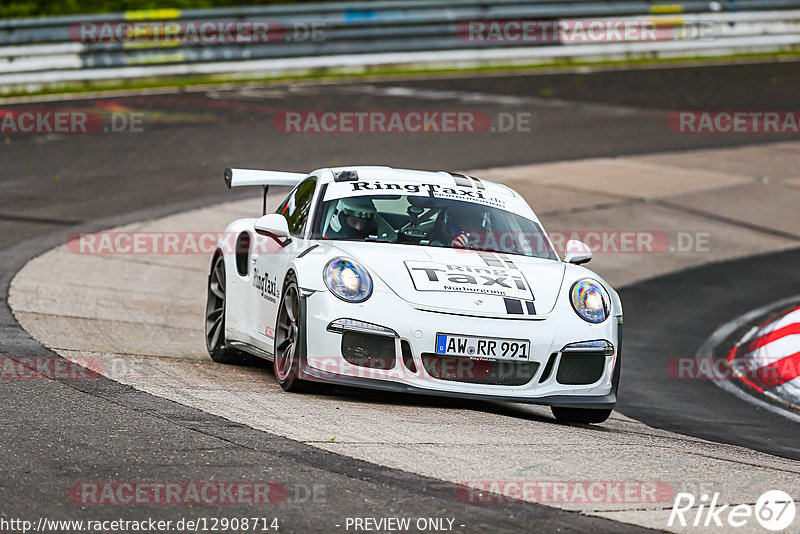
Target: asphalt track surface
{"x":703,"y":299}
{"x":55,"y":433}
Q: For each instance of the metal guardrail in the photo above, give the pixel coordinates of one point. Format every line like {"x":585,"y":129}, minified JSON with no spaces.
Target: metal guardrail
{"x":387,"y":32}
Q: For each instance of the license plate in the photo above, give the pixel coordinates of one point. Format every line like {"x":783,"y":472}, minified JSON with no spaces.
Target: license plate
{"x":493,"y":348}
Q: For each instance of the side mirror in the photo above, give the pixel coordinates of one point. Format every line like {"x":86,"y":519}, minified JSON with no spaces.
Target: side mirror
{"x":577,"y":252}
{"x":273,"y":225}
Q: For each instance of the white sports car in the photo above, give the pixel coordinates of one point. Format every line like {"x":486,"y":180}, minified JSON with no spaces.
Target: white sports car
{"x":424,"y":282}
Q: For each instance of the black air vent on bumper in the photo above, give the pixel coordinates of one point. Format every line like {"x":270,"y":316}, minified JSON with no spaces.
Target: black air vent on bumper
{"x":408,"y":359}
{"x":548,"y":368}
{"x":367,"y":350}
{"x":580,"y":368}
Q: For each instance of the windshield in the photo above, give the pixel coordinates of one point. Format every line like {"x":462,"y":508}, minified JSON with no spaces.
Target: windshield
{"x":434,"y":222}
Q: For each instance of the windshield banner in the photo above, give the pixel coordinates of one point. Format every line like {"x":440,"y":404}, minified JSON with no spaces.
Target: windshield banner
{"x":337,"y":190}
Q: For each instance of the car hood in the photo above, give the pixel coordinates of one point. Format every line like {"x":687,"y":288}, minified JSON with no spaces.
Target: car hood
{"x":459,"y":281}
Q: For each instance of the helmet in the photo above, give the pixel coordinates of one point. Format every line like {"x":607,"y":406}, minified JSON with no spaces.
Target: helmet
{"x":464,"y":217}
{"x":363,"y":208}
{"x":356,"y":216}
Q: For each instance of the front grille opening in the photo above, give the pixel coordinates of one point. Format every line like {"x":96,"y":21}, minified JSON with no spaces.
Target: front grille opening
{"x":548,"y":367}
{"x":367,"y":350}
{"x":580,"y":368}
{"x":408,"y":359}
{"x":474,"y":371}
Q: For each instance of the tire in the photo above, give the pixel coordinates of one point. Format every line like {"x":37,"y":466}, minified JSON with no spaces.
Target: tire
{"x":215,"y":319}
{"x":289,"y":344}
{"x":580,"y":415}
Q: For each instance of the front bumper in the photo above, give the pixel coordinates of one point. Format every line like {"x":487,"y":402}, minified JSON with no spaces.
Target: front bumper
{"x":416,"y":330}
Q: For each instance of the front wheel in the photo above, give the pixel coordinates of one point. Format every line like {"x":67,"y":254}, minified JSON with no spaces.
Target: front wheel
{"x":288,"y":344}
{"x":580,"y":415}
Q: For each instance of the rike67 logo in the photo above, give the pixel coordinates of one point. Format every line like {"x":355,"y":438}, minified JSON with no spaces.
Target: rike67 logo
{"x":774,"y":511}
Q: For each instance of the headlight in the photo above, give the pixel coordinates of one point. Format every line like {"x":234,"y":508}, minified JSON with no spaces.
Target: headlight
{"x":589,"y":300}
{"x":348,"y":280}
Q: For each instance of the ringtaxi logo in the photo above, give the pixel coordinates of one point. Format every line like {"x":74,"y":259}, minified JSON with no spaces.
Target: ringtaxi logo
{"x":774,"y":510}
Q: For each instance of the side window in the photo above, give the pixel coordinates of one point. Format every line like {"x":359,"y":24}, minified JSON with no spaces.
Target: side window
{"x":297,"y":205}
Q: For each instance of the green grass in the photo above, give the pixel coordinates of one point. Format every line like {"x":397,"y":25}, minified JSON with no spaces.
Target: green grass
{"x":389,"y":73}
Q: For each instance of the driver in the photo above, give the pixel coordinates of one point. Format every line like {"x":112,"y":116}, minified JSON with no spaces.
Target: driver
{"x":355,"y":219}
{"x":462,"y":224}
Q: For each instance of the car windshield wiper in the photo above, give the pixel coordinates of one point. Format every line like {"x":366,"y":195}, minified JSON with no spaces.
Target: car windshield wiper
{"x":378,"y":240}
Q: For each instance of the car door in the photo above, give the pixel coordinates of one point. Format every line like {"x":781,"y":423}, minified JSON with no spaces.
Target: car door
{"x":271,"y":262}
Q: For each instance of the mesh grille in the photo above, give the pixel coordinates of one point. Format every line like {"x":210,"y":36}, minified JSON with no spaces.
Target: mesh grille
{"x":367,"y":350}
{"x":580,"y":368}
{"x":488,"y":372}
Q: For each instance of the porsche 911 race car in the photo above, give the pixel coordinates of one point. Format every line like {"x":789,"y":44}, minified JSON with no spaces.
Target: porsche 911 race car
{"x":425,"y":282}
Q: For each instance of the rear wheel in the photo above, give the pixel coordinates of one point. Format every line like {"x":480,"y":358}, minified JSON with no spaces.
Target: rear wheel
{"x":580,"y":415}
{"x":215,"y":319}
{"x":288,"y":344}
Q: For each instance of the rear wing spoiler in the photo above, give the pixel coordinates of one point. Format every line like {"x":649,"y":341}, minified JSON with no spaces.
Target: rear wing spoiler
{"x":242,"y":177}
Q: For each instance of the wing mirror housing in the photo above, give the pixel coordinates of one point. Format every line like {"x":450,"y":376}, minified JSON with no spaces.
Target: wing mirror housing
{"x":274,"y":225}
{"x":577,"y":252}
